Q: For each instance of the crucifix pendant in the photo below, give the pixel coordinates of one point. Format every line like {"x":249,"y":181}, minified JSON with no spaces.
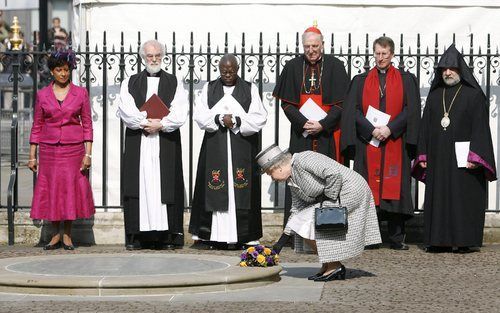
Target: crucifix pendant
{"x":312,"y":80}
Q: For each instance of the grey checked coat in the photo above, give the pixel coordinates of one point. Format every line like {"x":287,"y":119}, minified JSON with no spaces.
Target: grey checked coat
{"x":314,"y":174}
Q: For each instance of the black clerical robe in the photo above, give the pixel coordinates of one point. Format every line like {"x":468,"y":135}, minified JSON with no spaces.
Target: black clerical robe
{"x":212,"y":186}
{"x":294,"y":86}
{"x":455,"y":198}
{"x":357,"y":132}
{"x":172,"y":181}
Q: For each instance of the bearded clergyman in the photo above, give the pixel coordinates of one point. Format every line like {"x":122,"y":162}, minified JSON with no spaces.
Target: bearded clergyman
{"x":153,"y":186}
{"x":455,"y":158}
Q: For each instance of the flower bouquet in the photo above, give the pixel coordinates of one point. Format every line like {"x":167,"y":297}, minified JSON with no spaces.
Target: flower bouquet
{"x":259,"y":255}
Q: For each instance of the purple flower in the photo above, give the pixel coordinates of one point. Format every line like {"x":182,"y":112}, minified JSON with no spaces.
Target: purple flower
{"x":255,"y":254}
{"x":269,"y":260}
{"x":259,"y":248}
{"x":244,"y":256}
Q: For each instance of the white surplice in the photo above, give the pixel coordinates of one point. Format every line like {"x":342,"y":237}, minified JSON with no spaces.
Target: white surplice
{"x":224,"y":227}
{"x":152,"y":212}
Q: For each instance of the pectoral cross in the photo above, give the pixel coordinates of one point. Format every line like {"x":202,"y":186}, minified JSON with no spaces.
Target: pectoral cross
{"x":312,"y":80}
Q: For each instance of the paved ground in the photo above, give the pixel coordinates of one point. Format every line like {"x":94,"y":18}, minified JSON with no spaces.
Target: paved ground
{"x":379,"y":281}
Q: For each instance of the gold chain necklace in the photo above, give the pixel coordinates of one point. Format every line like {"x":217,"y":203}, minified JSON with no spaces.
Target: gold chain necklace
{"x":445,"y":121}
{"x":311,"y":80}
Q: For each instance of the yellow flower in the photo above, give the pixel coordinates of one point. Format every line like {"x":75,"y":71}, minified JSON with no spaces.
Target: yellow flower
{"x":276,"y":259}
{"x":251,"y":249}
{"x":243,"y":264}
{"x":267,"y":251}
{"x":261,"y":259}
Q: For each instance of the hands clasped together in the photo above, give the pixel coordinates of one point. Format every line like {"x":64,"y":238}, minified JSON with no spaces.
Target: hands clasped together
{"x":381,"y":133}
{"x":153,"y":126}
{"x":313,"y":127}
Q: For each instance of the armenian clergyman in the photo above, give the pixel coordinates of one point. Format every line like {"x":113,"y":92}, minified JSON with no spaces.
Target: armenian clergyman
{"x":455,"y":157}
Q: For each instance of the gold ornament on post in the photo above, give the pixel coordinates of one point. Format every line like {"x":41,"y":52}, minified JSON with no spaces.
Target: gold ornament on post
{"x":16,"y":39}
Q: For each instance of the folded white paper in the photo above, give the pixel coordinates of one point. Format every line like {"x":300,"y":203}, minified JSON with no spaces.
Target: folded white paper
{"x":311,"y":111}
{"x":376,"y":118}
{"x":462,"y":152}
{"x":228,"y":105}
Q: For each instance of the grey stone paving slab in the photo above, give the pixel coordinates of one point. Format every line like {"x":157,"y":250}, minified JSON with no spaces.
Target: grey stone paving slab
{"x":133,"y":265}
{"x":291,"y":287}
{"x":129,"y":274}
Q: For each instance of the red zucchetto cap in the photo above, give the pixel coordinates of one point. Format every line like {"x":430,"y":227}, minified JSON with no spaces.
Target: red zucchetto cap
{"x":313,"y":29}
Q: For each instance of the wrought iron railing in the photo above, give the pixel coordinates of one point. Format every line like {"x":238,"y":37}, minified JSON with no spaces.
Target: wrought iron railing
{"x":102,"y":68}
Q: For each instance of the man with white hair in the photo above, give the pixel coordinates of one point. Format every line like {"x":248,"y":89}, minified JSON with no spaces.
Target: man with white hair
{"x":455,"y":158}
{"x":153,"y":186}
{"x":310,"y":81}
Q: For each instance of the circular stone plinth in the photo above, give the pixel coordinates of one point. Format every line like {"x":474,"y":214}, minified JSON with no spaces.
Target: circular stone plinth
{"x":128,"y":274}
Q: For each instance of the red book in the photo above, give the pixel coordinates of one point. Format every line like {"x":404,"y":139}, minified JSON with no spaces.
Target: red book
{"x":155,"y":108}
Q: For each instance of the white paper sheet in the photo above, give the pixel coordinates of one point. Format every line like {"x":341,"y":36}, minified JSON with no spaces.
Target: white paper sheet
{"x":462,"y":152}
{"x":311,"y":111}
{"x":228,"y":105}
{"x":376,"y":118}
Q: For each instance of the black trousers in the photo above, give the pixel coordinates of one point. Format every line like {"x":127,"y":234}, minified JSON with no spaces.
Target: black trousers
{"x":395,"y":227}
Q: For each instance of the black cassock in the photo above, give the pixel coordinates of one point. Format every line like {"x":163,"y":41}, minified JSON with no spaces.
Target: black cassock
{"x":455,"y":198}
{"x":357,"y":133}
{"x":172,"y":182}
{"x":294,"y":82}
{"x":211,"y":192}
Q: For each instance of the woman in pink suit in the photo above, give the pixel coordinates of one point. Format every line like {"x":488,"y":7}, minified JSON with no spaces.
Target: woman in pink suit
{"x":62,"y":134}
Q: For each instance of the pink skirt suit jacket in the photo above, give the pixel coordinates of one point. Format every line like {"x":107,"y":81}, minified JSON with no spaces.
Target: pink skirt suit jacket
{"x":62,"y":192}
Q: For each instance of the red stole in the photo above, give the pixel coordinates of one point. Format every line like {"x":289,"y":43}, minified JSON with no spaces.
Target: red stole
{"x":390,"y":186}
{"x":336,"y":133}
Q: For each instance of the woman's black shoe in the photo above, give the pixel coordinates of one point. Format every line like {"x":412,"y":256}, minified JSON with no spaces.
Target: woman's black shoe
{"x":313,"y":277}
{"x":66,"y":247}
{"x":338,"y":274}
{"x":52,"y":247}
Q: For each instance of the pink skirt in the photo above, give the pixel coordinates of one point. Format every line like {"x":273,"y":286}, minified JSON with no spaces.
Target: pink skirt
{"x":62,"y":191}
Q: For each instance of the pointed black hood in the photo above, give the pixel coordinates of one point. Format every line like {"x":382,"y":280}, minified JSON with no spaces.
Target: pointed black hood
{"x":452,"y":58}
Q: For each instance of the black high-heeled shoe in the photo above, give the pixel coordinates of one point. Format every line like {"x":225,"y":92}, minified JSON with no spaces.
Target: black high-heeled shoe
{"x":52,"y":247}
{"x":338,"y":274}
{"x":317,"y":275}
{"x":68,"y":247}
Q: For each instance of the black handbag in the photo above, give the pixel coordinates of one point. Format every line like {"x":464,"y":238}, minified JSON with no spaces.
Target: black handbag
{"x":332,"y":217}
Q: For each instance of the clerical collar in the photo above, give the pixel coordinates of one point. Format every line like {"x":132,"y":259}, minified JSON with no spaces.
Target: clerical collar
{"x":157,"y":74}
{"x":382,"y":71}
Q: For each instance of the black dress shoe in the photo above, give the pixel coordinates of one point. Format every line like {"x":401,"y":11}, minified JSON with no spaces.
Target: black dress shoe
{"x":52,"y":247}
{"x":399,"y":246}
{"x":373,"y":247}
{"x":313,"y":277}
{"x":133,"y":246}
{"x":338,"y":274}
{"x":464,"y":250}
{"x":438,"y":249}
{"x":68,"y":247}
{"x":164,"y":246}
